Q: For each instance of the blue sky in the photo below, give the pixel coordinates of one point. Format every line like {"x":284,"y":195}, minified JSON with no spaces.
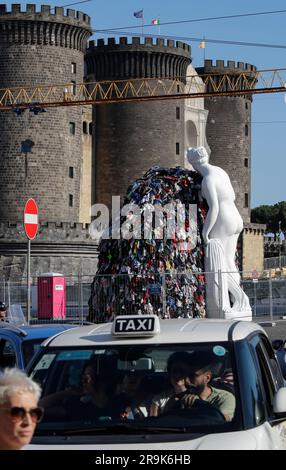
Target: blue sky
{"x":268,"y":139}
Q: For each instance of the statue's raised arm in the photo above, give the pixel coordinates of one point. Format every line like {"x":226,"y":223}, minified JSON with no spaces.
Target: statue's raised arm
{"x":222,"y":227}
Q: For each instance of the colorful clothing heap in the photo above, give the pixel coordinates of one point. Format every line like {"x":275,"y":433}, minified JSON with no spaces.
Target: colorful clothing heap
{"x":160,"y":276}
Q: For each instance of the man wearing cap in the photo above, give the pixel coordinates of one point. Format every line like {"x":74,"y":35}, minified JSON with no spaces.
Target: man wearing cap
{"x":3,"y":311}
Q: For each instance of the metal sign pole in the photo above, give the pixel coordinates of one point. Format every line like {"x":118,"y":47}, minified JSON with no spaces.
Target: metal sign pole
{"x":28,"y":281}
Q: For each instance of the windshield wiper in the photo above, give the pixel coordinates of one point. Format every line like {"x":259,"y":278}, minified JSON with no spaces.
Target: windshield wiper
{"x":126,"y":428}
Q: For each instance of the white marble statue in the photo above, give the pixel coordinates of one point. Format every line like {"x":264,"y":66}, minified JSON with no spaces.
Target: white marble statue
{"x":222,"y":227}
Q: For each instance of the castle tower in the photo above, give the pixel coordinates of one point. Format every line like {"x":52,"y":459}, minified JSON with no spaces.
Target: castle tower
{"x":228,"y":131}
{"x":132,"y":137}
{"x":44,"y":48}
{"x":41,"y":48}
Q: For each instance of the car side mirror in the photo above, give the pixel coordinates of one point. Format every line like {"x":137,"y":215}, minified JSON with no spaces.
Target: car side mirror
{"x":278,"y":344}
{"x":279,"y":401}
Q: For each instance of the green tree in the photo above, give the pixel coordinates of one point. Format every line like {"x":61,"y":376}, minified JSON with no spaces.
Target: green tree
{"x":271,"y":216}
{"x":263,"y":215}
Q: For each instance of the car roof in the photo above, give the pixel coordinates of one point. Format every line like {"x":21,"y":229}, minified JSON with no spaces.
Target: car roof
{"x":28,"y":332}
{"x":175,"y":330}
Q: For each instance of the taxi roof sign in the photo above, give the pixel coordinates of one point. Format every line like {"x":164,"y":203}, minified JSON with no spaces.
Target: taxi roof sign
{"x":136,"y":325}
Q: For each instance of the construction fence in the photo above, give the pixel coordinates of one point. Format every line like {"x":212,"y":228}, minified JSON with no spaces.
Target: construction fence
{"x":67,"y":300}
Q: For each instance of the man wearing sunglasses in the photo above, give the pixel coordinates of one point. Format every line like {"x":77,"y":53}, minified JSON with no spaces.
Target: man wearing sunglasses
{"x":19,"y":411}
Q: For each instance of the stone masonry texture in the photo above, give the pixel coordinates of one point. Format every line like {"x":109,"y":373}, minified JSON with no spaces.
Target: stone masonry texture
{"x":132,"y":137}
{"x":228,"y":131}
{"x":39,"y":49}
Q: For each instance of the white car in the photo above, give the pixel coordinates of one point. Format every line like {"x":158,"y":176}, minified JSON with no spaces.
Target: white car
{"x":244,"y":367}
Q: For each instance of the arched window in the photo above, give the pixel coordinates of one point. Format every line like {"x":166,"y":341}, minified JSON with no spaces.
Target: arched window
{"x":84,"y":127}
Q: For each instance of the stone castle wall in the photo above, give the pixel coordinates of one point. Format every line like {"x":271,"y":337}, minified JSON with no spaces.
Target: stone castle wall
{"x":58,"y":247}
{"x":228,"y":130}
{"x":41,"y":48}
{"x":132,"y":137}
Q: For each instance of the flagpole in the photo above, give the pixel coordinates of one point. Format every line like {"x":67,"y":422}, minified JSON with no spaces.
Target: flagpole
{"x":142,"y":22}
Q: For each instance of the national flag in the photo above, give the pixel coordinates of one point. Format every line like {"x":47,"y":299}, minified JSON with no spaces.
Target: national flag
{"x":202,"y":45}
{"x":138,"y":14}
{"x":157,"y":21}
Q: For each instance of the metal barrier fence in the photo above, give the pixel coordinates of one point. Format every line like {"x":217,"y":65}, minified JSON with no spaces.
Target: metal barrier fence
{"x":157,"y":293}
{"x":275,"y":262}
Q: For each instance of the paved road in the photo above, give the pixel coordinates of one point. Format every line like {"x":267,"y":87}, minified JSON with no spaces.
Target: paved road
{"x":274,"y":332}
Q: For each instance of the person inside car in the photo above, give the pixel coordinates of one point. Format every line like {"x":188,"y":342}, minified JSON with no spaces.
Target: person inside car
{"x":202,"y":372}
{"x":133,"y":393}
{"x":190,"y":375}
{"x":93,"y":398}
{"x":179,"y":369}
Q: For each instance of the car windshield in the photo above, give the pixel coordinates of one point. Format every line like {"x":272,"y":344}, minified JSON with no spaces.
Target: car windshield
{"x":114,"y":389}
{"x":29,"y":348}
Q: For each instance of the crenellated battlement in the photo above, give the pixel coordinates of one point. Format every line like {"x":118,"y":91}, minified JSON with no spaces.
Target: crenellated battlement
{"x":48,"y":232}
{"x":246,"y":73}
{"x":222,"y":66}
{"x":113,"y":59}
{"x":44,"y":27}
{"x":45,"y":14}
{"x":153,"y":42}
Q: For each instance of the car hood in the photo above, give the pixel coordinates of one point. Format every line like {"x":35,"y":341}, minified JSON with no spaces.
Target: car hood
{"x":224,"y":441}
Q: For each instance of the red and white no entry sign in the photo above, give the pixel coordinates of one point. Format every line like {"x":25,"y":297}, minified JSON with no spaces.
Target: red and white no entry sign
{"x":31,"y":218}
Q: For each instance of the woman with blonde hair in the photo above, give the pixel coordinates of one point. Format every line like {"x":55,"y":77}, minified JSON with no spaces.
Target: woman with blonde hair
{"x":19,"y":410}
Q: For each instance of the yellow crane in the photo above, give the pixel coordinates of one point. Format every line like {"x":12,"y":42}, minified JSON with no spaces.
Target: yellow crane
{"x":144,"y":89}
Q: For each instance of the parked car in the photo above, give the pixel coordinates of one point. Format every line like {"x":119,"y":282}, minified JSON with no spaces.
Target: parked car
{"x":18,"y":344}
{"x":244,"y":369}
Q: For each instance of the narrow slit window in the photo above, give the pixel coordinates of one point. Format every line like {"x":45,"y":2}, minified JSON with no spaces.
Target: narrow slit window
{"x":73,"y":87}
{"x":72,"y":128}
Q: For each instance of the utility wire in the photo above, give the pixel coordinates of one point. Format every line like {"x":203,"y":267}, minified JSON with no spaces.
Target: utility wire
{"x":71,"y":4}
{"x":206,"y":40}
{"x":275,"y":12}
